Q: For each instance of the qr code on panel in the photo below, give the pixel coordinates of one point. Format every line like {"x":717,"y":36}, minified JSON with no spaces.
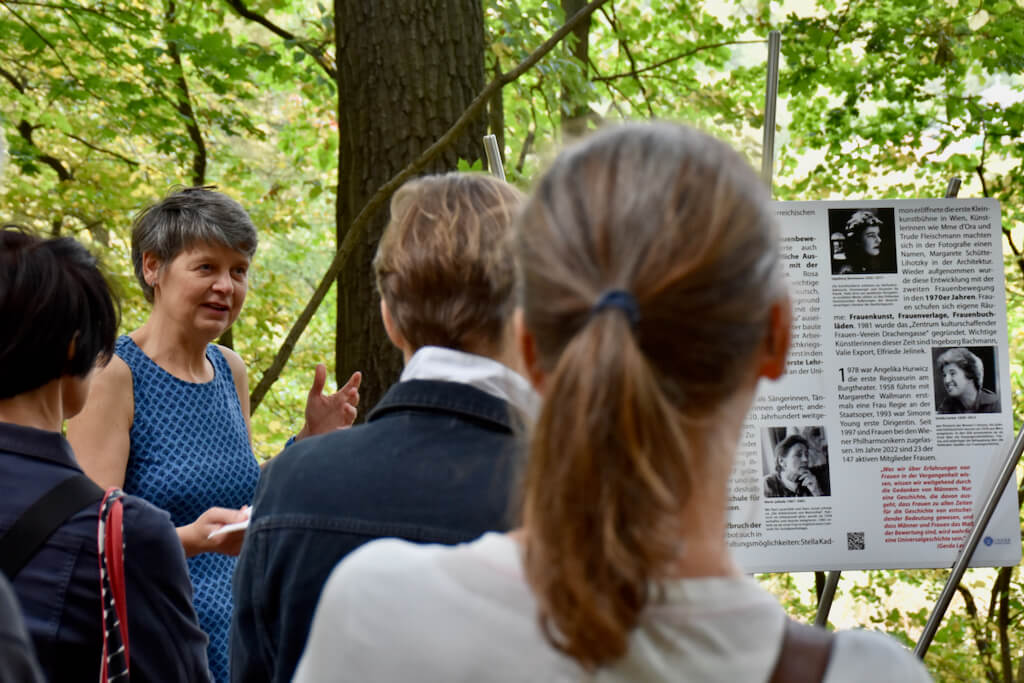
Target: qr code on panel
{"x":855,"y":540}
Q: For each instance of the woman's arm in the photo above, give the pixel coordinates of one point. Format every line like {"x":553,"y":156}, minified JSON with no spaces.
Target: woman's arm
{"x":100,"y":434}
{"x":101,"y":438}
{"x":240,"y":374}
{"x":324,"y":413}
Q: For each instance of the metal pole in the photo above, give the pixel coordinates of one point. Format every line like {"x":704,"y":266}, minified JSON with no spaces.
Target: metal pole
{"x":953,"y":187}
{"x":827,"y":595}
{"x":771,"y":97}
{"x":493,"y":156}
{"x":957,"y":573}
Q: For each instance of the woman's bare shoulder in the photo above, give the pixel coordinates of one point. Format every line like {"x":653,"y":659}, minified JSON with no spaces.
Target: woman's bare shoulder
{"x":235,"y":361}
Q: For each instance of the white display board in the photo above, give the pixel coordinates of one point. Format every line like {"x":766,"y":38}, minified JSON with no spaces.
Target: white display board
{"x":879,"y":446}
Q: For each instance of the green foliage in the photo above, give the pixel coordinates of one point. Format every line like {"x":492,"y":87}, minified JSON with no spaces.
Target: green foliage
{"x":876,"y":99}
{"x":97,"y":91}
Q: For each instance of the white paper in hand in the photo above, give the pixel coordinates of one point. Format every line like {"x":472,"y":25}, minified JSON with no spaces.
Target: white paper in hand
{"x":228,"y":528}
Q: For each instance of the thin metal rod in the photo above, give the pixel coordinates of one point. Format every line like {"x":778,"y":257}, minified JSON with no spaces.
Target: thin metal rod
{"x":953,"y":187}
{"x":827,"y":595}
{"x":960,"y":566}
{"x":771,"y":97}
{"x":493,"y":156}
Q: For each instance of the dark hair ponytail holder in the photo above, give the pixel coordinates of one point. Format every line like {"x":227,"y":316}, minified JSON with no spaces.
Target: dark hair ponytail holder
{"x":620,"y":300}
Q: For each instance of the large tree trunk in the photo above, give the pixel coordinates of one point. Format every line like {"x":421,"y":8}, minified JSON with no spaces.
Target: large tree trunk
{"x":575,"y":109}
{"x":406,"y":71}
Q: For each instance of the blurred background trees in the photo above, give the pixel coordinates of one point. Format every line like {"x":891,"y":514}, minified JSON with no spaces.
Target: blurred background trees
{"x":305,"y":113}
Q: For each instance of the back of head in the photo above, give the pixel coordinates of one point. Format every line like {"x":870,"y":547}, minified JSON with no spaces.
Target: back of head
{"x":185,"y":218}
{"x":52,"y":294}
{"x":680,"y":224}
{"x":445,"y":264}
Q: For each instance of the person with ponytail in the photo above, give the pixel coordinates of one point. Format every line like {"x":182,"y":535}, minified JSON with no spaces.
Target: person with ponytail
{"x":653,"y":303}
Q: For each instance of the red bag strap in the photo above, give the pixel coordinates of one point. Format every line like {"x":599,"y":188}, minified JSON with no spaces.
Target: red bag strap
{"x":110,"y":546}
{"x":115,"y":568}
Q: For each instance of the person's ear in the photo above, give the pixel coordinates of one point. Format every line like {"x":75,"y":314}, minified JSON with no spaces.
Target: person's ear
{"x":150,"y":268}
{"x":528,"y":352}
{"x":775,"y":348}
{"x":391,"y":329}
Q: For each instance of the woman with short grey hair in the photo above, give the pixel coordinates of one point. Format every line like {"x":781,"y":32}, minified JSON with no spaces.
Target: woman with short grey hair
{"x":168,"y":419}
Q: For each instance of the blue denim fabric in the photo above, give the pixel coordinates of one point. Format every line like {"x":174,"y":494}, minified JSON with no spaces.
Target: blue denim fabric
{"x":58,"y":589}
{"x":435,"y":463}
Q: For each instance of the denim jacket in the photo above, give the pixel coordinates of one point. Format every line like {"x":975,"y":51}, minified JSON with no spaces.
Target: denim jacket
{"x":434,"y":463}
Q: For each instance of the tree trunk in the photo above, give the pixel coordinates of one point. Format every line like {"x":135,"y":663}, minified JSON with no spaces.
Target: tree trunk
{"x":406,"y":71}
{"x":575,"y":109}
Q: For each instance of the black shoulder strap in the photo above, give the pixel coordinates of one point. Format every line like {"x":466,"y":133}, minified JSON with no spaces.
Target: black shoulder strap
{"x":30,"y":531}
{"x":804,"y":655}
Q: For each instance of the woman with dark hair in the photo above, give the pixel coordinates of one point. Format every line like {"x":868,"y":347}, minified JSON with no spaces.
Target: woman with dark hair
{"x":793,"y":476}
{"x":169,"y":417}
{"x":962,"y":373}
{"x":653,"y":303}
{"x":862,"y":243}
{"x":59,"y":324}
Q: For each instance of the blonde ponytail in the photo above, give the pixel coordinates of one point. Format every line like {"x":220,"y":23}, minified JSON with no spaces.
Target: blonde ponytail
{"x":682,"y":224}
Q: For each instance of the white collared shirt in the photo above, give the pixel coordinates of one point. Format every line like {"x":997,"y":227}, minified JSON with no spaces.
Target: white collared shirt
{"x":485,"y":374}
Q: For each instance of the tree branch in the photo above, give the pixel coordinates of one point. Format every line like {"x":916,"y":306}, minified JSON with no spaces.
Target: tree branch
{"x":316,"y":53}
{"x":18,"y":85}
{"x":97,"y":148}
{"x":384,"y":192}
{"x":980,"y":168}
{"x":611,"y":85}
{"x":613,"y":20}
{"x":41,"y":37}
{"x":184,"y":107}
{"x":689,"y":53}
{"x":981,"y":642}
{"x":75,"y":8}
{"x":1002,"y":586}
{"x":63,"y":173}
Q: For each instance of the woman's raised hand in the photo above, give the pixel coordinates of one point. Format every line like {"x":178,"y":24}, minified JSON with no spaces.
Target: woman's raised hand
{"x":326,"y":413}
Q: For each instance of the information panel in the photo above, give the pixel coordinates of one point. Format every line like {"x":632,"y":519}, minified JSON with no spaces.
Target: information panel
{"x":881,"y":443}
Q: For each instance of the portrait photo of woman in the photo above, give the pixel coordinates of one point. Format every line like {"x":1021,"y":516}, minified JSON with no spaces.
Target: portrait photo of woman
{"x":962,"y":383}
{"x":796,"y":462}
{"x":863,"y":241}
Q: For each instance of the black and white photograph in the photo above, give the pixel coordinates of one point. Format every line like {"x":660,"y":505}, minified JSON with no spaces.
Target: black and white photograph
{"x":795,"y":462}
{"x":965,"y":379}
{"x":862,"y":241}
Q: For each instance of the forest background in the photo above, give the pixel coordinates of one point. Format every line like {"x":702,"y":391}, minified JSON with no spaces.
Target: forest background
{"x":311,"y":115}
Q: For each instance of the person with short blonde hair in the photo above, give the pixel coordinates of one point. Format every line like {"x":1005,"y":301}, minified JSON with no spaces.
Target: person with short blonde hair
{"x":653,"y":304}
{"x":444,"y":265}
{"x":436,"y":460}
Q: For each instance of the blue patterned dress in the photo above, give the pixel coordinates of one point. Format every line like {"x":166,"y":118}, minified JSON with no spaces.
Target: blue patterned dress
{"x":190,"y":451}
